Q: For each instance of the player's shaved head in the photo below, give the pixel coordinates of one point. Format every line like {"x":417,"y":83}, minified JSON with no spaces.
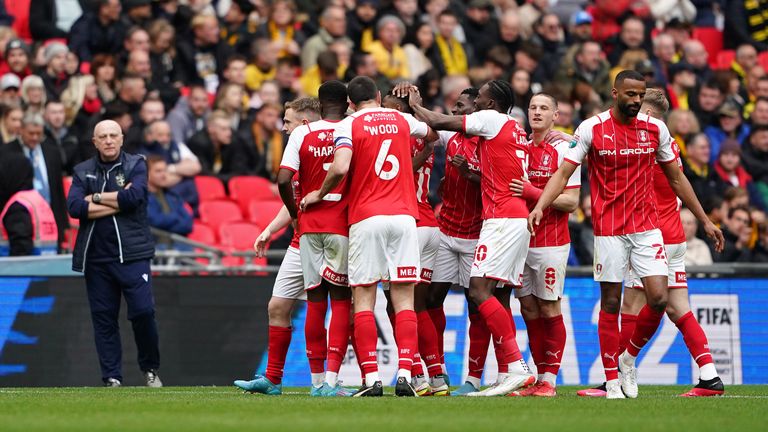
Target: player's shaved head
{"x":333,"y":97}
{"x":362,"y":89}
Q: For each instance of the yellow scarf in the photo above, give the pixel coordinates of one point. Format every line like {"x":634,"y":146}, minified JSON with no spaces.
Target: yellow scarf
{"x":277,"y":35}
{"x":367,"y":39}
{"x":275,"y":148}
{"x":454,"y":58}
{"x":681,"y":144}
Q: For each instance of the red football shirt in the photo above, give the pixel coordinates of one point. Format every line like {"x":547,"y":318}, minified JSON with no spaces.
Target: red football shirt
{"x":310,"y":153}
{"x":621,"y":160}
{"x":543,"y":160}
{"x":380,"y":175}
{"x":503,"y":149}
{"x":461,"y":215}
{"x":422,"y":176}
{"x":668,"y":204}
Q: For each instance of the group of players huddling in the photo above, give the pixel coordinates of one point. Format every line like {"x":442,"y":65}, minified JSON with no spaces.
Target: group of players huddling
{"x":357,"y":188}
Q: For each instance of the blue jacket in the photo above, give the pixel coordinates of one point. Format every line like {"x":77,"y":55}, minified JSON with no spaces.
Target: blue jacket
{"x":134,"y":240}
{"x":178,"y":221}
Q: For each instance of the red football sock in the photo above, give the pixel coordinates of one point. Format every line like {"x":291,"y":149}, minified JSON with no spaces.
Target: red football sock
{"x":608,"y":333}
{"x":366,"y":337}
{"x":314,"y":331}
{"x":279,"y":341}
{"x":417,"y":369}
{"x":353,"y":341}
{"x":537,"y":340}
{"x":391,"y":316}
{"x":628,"y":323}
{"x":338,"y":333}
{"x":512,"y":321}
{"x":407,"y":338}
{"x":648,"y":321}
{"x":554,"y":344}
{"x":428,"y":344}
{"x":695,"y":339}
{"x":502,"y":330}
{"x":479,"y":338}
{"x":437,"y":315}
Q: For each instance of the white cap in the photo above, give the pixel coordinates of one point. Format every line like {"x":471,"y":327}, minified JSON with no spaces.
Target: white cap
{"x":9,"y":80}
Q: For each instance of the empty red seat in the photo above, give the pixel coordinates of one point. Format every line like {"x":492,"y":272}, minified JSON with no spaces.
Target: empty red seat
{"x":262,"y":212}
{"x":209,"y":188}
{"x":762,"y":58}
{"x":216,"y":213}
{"x":244,"y":189}
{"x":725,"y":59}
{"x":712,"y":39}
{"x":202,"y":233}
{"x":239,"y":236}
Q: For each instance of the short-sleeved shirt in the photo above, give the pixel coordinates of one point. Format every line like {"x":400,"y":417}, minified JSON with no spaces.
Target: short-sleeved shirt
{"x":461,"y":214}
{"x":310,"y":154}
{"x":668,"y":203}
{"x":380,"y":175}
{"x":543,"y":161}
{"x":621,"y":160}
{"x":503,"y":149}
{"x":421,"y":177}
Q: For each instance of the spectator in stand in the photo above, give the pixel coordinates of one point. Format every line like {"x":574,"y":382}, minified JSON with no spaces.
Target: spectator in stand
{"x":131,"y":91}
{"x":165,"y":208}
{"x":137,"y":12}
{"x":234,"y":71}
{"x":481,"y":28}
{"x":633,"y":59}
{"x":695,"y":53}
{"x":549,"y":36}
{"x":588,"y":67}
{"x":387,"y":51}
{"x":182,"y":164}
{"x":363,"y":64}
{"x":263,"y":63}
{"x":237,"y":31}
{"x":696,"y":167}
{"x":136,"y":39}
{"x":728,"y":167}
{"x":138,"y":64}
{"x":45,"y":160}
{"x":216,"y":146}
{"x":52,"y":19}
{"x":361,"y":22}
{"x":33,"y":94}
{"x":682,"y":80}
{"x":580,"y":29}
{"x":755,"y":158}
{"x":81,"y":103}
{"x":708,"y":101}
{"x":264,"y":150}
{"x":530,"y":13}
{"x":731,"y":125}
{"x":201,"y":58}
{"x":737,"y":231}
{"x":564,"y":120}
{"x":760,"y":253}
{"x":229,"y":99}
{"x":509,"y":32}
{"x":664,"y":54}
{"x":333,"y":26}
{"x":745,"y":60}
{"x":449,"y":55}
{"x":162,"y":53}
{"x":99,"y":32}
{"x":420,"y":53}
{"x":188,"y":116}
{"x":745,"y":24}
{"x":9,"y":90}
{"x":104,"y":73}
{"x":16,"y":59}
{"x":57,"y":132}
{"x":682,"y":126}
{"x":632,"y":36}
{"x":151,"y":110}
{"x":697,"y":252}
{"x":55,"y":75}
{"x":269,"y":93}
{"x":521,"y":85}
{"x":283,"y":30}
{"x":10,"y":123}
{"x":759,"y":116}
{"x":326,"y":69}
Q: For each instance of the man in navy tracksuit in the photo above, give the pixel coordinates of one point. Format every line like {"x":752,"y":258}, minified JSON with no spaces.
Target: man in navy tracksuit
{"x":114,"y":247}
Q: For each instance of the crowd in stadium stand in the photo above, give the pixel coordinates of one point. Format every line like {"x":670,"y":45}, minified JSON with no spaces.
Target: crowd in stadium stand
{"x":199,"y":85}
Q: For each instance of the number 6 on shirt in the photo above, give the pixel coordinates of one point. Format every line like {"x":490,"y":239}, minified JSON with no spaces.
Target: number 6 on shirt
{"x":383,"y":157}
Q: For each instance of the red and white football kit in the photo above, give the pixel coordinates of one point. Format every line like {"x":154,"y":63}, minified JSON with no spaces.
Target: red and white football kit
{"x":544,"y":274}
{"x":426,"y":225}
{"x":621,"y":161}
{"x":503,"y":243}
{"x":323,"y":228}
{"x":461,"y":215}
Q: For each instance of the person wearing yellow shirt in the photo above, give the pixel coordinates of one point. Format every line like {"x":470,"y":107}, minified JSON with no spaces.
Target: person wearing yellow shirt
{"x":390,"y":57}
{"x":263,"y":68}
{"x":326,"y":69}
{"x":449,"y":58}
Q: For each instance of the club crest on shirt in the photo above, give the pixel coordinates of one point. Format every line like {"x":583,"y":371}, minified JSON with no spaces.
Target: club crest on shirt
{"x":545,"y":160}
{"x":643,"y":138}
{"x":120,"y":179}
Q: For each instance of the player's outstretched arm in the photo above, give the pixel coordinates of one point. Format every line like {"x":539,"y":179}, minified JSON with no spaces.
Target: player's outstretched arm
{"x":683,"y":189}
{"x":436,"y":121}
{"x":422,"y":156}
{"x":285,"y":186}
{"x":552,"y":190}
{"x":342,"y":157}
{"x":280,"y":221}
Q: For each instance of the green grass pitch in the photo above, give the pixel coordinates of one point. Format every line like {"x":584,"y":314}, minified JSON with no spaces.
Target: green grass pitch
{"x":183,"y":409}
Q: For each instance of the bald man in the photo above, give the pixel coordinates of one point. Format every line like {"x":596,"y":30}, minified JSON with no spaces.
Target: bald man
{"x":114,"y":248}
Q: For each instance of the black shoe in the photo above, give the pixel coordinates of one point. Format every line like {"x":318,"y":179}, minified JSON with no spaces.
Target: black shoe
{"x":404,"y":388}
{"x":713,"y":387}
{"x":376,"y":390}
{"x":112,"y":382}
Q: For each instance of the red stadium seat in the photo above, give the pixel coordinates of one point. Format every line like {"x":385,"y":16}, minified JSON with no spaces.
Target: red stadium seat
{"x":725,"y":59}
{"x":262,"y":212}
{"x":239,"y":236}
{"x":244,"y":189}
{"x":762,"y":58}
{"x":209,"y":188}
{"x":216,"y":213}
{"x":712,"y":39}
{"x":67,"y":182}
{"x":202,"y":233}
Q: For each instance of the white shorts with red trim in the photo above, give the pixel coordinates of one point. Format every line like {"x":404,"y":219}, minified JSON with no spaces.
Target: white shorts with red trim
{"x":643,"y":251}
{"x":501,"y":250}
{"x":454,"y":260}
{"x":324,"y":256}
{"x":544,"y":273}
{"x":384,"y":248}
{"x":429,"y":243}
{"x":289,"y":282}
{"x":677,"y":277}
